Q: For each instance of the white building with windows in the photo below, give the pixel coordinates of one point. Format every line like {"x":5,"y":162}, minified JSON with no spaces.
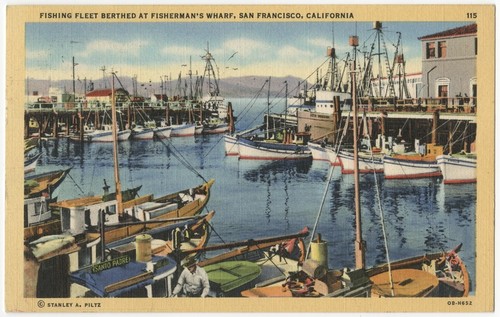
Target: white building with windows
{"x":449,"y":63}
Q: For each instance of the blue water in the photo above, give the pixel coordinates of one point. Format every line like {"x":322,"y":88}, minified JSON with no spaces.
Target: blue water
{"x":256,"y":199}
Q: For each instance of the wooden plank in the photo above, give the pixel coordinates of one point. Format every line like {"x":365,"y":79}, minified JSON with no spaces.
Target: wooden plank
{"x":125,"y":283}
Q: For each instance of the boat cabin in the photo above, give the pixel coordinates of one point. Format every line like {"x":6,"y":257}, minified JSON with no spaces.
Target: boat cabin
{"x":36,"y":211}
{"x":80,"y":214}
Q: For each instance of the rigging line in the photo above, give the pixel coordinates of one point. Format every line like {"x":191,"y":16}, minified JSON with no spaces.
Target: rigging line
{"x":270,"y":259}
{"x":442,"y":125}
{"x":216,"y":233}
{"x":76,"y":183}
{"x":216,"y":143}
{"x":183,"y":160}
{"x":382,"y":223}
{"x":329,"y":179}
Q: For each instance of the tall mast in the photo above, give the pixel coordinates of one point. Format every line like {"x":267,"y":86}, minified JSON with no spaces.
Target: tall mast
{"x":268,"y":96}
{"x":286,"y":103}
{"x":359,"y":251}
{"x":115,"y":147}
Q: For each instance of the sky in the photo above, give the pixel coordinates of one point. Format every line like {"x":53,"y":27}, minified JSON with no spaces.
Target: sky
{"x":154,"y":50}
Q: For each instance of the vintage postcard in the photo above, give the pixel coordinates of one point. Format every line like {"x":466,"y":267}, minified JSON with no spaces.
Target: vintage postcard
{"x":250,"y":158}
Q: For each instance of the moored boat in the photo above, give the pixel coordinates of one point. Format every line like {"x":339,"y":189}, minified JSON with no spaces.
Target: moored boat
{"x":458,"y":168}
{"x":368,"y":162}
{"x":231,"y":145}
{"x":45,"y":183}
{"x":163,"y":131}
{"x":144,"y":132}
{"x":408,"y":166}
{"x":266,"y":150}
{"x":318,"y":151}
{"x":185,"y":129}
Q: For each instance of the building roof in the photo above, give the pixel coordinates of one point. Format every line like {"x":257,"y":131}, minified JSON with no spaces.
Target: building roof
{"x":104,"y":92}
{"x":456,"y":32}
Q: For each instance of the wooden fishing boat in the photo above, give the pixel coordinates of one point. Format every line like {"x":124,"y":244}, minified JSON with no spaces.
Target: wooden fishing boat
{"x":176,"y":236}
{"x":43,"y":184}
{"x":41,"y":220}
{"x":318,"y":151}
{"x":163,"y":131}
{"x":144,"y":132}
{"x":458,"y":168}
{"x":82,"y":214}
{"x":231,"y":146}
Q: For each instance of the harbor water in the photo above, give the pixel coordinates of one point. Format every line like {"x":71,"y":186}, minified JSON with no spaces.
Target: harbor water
{"x":257,"y":199}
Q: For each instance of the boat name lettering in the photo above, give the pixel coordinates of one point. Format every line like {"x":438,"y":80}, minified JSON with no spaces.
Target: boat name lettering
{"x":119,"y":261}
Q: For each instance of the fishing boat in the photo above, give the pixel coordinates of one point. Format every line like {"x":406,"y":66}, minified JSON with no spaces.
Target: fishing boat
{"x":318,"y":151}
{"x":458,"y":168}
{"x":212,"y":101}
{"x":81,"y":215}
{"x":184,"y":129}
{"x":441,"y":274}
{"x":43,"y":184}
{"x":275,"y":146}
{"x":333,"y":156}
{"x":410,"y":165}
{"x":369,"y":162}
{"x":215,"y":125}
{"x":163,"y":131}
{"x":43,"y":217}
{"x":231,"y":146}
{"x":145,"y":131}
{"x":104,"y":134}
{"x":30,"y":162}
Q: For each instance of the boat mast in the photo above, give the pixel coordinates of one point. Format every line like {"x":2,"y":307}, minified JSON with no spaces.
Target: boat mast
{"x":286,"y":109}
{"x":268,"y":96}
{"x":359,"y":250}
{"x":115,"y":147}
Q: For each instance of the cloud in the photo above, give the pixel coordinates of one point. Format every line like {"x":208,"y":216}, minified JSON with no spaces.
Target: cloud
{"x":116,"y":47}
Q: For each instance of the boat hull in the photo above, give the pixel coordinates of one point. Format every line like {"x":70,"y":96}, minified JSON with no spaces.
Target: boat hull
{"x":367,"y":163}
{"x":144,"y":134}
{"x":318,"y":152}
{"x":333,"y":157}
{"x":163,"y":132}
{"x":107,"y":136}
{"x":231,"y":145}
{"x":216,"y":130}
{"x":183,"y":130}
{"x":251,"y":150}
{"x":412,"y":167}
{"x":457,"y":170}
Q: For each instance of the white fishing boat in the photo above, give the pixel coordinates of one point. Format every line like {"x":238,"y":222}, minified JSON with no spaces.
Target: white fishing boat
{"x":458,"y":168}
{"x":163,"y":131}
{"x":144,"y":132}
{"x":407,"y":166}
{"x":275,"y":145}
{"x":231,"y":145}
{"x":105,"y":134}
{"x":368,"y":162}
{"x":318,"y":151}
{"x":185,"y":129}
{"x":333,"y":157}
{"x":265,"y":150}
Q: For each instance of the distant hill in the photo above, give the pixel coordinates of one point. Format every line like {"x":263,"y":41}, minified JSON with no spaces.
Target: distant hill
{"x":234,"y":87}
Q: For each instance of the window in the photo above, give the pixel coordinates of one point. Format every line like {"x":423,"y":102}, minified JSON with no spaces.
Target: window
{"x":442,"y":49}
{"x":431,"y":50}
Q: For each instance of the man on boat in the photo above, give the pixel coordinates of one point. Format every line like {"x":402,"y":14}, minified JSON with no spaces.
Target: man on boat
{"x":193,"y":281}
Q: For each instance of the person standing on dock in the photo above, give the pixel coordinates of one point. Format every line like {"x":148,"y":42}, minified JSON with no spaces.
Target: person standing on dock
{"x":193,"y":281}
